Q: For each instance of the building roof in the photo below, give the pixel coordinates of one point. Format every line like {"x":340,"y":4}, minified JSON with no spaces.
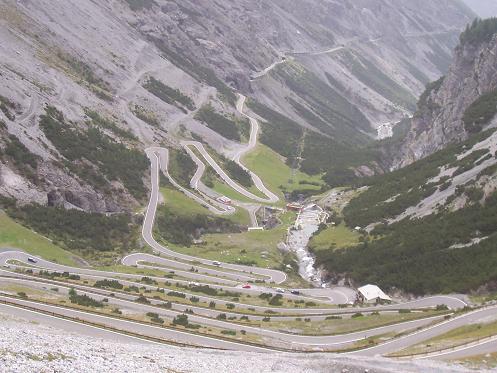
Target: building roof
{"x":371,"y":292}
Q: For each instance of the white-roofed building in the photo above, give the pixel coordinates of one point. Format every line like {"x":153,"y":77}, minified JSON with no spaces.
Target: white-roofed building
{"x":372,"y":294}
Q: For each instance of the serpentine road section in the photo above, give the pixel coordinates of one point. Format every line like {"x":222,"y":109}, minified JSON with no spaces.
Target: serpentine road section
{"x":154,"y":155}
{"x":252,"y":143}
{"x":254,"y":135}
{"x":294,"y":340}
{"x":271,"y":197}
{"x":290,"y":340}
{"x":218,"y":209}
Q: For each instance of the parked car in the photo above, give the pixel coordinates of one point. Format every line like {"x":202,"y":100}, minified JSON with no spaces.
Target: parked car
{"x":31,"y":260}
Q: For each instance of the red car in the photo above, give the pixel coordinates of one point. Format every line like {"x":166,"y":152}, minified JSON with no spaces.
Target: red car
{"x":246,"y":286}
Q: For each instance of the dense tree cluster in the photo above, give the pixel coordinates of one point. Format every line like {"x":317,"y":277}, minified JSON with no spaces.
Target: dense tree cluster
{"x":238,"y":174}
{"x":480,"y":31}
{"x":279,"y":132}
{"x":112,"y":284}
{"x":77,"y":230}
{"x":423,"y":255}
{"x":183,"y":229}
{"x":7,"y":106}
{"x":20,"y":157}
{"x":108,"y":124}
{"x":181,"y":167}
{"x":226,"y":126}
{"x":425,"y":101}
{"x":169,"y":95}
{"x":480,"y":112}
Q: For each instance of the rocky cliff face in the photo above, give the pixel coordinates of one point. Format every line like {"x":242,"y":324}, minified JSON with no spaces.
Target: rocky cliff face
{"x":439,"y":120}
{"x":368,"y":57}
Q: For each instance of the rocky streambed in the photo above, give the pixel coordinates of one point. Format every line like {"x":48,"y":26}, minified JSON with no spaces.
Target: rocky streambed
{"x":306,"y":224}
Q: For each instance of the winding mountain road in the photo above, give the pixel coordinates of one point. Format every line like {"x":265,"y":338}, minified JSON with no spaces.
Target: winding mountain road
{"x":290,"y":341}
{"x":147,"y":230}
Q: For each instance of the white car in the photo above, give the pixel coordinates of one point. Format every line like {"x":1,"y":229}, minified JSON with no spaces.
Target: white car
{"x":216,"y":263}
{"x":280,"y":290}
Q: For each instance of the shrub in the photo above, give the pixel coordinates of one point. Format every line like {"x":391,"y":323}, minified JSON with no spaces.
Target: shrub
{"x":113,"y":284}
{"x":83,"y":300}
{"x":176,"y":294}
{"x":181,"y":320}
{"x":333,"y":318}
{"x":142,"y":299}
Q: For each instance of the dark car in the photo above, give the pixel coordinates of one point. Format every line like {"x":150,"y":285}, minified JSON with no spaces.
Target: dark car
{"x":295,"y":292}
{"x":31,"y":260}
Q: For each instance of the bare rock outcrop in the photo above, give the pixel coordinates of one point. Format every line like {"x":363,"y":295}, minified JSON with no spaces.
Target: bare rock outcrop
{"x":439,"y":120}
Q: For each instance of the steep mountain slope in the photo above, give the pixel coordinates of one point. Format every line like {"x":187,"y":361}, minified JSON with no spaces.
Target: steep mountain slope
{"x":382,"y":52}
{"x":444,"y":113}
{"x":138,"y":70}
{"x":430,"y":227}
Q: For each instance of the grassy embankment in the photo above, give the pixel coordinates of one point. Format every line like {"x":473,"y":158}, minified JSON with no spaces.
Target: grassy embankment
{"x":346,"y":325}
{"x":338,"y":237}
{"x":15,"y":236}
{"x":256,"y":248}
{"x":276,"y":174}
{"x":456,"y":337}
{"x":181,"y":204}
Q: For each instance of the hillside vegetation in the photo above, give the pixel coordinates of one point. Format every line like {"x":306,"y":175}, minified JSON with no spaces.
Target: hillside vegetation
{"x":390,"y":194}
{"x":319,"y":154}
{"x":422,"y":256}
{"x":180,"y":220}
{"x":169,"y":95}
{"x":332,"y":113}
{"x":451,"y":250}
{"x":94,"y":156}
{"x":88,"y":234}
{"x":480,"y":31}
{"x":480,"y":112}
{"x":228,"y":127}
